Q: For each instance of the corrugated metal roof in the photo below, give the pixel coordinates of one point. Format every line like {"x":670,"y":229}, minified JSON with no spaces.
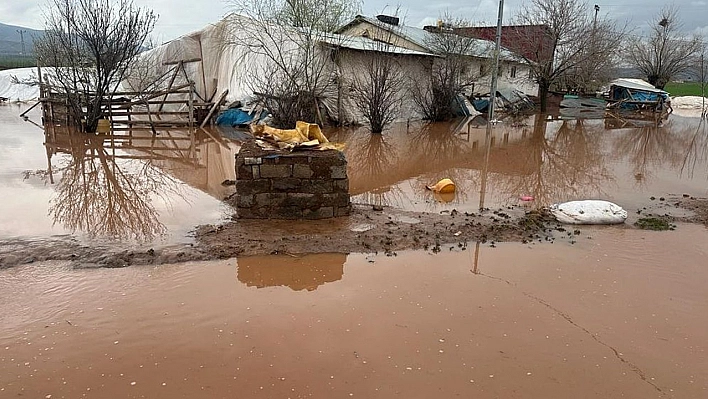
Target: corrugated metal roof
{"x":365,"y":44}
{"x":423,"y":38}
{"x":636,"y":84}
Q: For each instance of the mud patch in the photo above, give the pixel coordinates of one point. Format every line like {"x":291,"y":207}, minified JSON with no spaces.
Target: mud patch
{"x":365,"y":231}
{"x":387,"y":231}
{"x":683,"y":208}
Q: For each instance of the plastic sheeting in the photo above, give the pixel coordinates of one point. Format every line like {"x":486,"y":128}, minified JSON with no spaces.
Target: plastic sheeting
{"x":306,"y":135}
{"x":18,"y":92}
{"x":237,"y":116}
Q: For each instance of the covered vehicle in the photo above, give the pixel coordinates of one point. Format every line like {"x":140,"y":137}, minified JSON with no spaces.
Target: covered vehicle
{"x":636,"y":94}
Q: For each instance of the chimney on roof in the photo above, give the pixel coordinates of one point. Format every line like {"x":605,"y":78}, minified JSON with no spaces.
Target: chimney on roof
{"x":388,"y":19}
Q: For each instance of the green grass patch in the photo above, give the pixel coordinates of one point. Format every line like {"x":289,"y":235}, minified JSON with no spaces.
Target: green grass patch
{"x":657,"y":224}
{"x":16,"y":61}
{"x":684,"y":89}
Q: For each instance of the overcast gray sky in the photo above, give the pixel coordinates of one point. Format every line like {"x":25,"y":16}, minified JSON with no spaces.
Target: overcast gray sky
{"x":178,"y":17}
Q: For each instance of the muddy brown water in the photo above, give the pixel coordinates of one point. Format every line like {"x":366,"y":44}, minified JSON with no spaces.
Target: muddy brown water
{"x":153,"y":190}
{"x":144,"y":190}
{"x":621,"y":313}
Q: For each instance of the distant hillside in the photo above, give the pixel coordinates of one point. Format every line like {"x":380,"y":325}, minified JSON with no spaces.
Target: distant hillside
{"x":11,"y":41}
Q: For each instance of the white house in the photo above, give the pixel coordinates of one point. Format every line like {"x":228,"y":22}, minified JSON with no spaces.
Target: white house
{"x":514,"y":72}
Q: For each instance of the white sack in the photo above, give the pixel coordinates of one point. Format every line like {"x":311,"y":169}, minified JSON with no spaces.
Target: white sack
{"x":589,"y":212}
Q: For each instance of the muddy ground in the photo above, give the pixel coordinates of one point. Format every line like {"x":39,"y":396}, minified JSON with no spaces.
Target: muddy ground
{"x":367,"y":230}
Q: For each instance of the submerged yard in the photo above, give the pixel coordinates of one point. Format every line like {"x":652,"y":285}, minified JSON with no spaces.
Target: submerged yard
{"x":607,"y":311}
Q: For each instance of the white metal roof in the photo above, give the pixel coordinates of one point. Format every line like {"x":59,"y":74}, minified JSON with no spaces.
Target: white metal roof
{"x":366,"y":44}
{"x":636,"y":84}
{"x":423,"y":38}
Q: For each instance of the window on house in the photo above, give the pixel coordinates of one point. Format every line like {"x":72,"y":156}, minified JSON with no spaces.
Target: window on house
{"x":482,"y":70}
{"x":512,"y":73}
{"x":500,"y":72}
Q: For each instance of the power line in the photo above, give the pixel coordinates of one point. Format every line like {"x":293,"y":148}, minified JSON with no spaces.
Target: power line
{"x":22,"y":39}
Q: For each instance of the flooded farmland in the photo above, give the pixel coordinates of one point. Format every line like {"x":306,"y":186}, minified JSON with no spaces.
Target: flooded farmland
{"x":617,"y":312}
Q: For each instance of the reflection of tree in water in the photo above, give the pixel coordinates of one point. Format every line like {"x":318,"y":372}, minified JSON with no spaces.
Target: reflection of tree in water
{"x":423,"y":152}
{"x":437,"y":144}
{"x":371,"y":157}
{"x":98,"y":196}
{"x":696,"y":149}
{"x":649,"y":146}
{"x":440,"y":148}
{"x":566,"y":165}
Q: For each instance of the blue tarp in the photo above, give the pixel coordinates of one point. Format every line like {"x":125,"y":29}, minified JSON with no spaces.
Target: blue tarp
{"x":236,"y":117}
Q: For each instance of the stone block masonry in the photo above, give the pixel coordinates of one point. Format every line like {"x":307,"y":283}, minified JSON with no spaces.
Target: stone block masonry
{"x":290,"y":185}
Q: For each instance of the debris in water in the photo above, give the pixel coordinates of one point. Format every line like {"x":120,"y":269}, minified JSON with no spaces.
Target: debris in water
{"x":444,"y":186}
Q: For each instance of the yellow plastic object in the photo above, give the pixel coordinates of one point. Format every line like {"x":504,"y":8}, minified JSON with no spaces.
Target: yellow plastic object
{"x":308,"y":134}
{"x":290,"y":136}
{"x":311,"y":130}
{"x":444,"y":186}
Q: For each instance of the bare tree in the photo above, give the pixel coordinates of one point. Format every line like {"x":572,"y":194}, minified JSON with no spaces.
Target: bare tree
{"x":296,"y":75}
{"x":378,"y":82}
{"x":453,"y":72}
{"x":377,"y":94}
{"x":89,"y":44}
{"x":700,"y":71}
{"x":667,"y":51}
{"x":574,"y":38}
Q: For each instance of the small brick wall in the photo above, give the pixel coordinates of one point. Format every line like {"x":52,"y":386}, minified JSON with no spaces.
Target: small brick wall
{"x":290,"y":185}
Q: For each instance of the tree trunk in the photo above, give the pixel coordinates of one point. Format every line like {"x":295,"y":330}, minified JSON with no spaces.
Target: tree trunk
{"x":543,"y":95}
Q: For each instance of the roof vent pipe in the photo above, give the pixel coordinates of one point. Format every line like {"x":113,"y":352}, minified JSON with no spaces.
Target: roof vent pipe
{"x":388,"y":19}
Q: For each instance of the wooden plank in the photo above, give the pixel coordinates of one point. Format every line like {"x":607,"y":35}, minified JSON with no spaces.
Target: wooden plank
{"x":187,"y":61}
{"x":118,"y":137}
{"x":161,"y":123}
{"x":213,"y":109}
{"x":156,"y":113}
{"x":172,"y":81}
{"x":196,"y":104}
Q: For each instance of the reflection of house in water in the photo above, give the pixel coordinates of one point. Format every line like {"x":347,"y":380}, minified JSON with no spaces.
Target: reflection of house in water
{"x":298,"y":273}
{"x":203,"y":163}
{"x":211,"y":163}
{"x":377,"y":162}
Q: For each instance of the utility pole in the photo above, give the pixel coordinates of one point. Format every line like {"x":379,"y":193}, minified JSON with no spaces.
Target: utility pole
{"x":497,"y":47}
{"x":22,"y":39}
{"x":490,"y":118}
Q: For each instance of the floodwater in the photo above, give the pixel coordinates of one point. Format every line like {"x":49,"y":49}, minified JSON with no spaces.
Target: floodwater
{"x":552,"y":160}
{"x":622,"y":313}
{"x":145,"y":190}
{"x":154,"y":190}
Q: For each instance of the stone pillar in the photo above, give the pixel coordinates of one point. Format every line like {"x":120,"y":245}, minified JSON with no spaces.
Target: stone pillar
{"x":290,"y":185}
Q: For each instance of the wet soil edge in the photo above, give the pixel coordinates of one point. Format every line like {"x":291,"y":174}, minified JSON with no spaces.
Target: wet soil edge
{"x":365,"y":231}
